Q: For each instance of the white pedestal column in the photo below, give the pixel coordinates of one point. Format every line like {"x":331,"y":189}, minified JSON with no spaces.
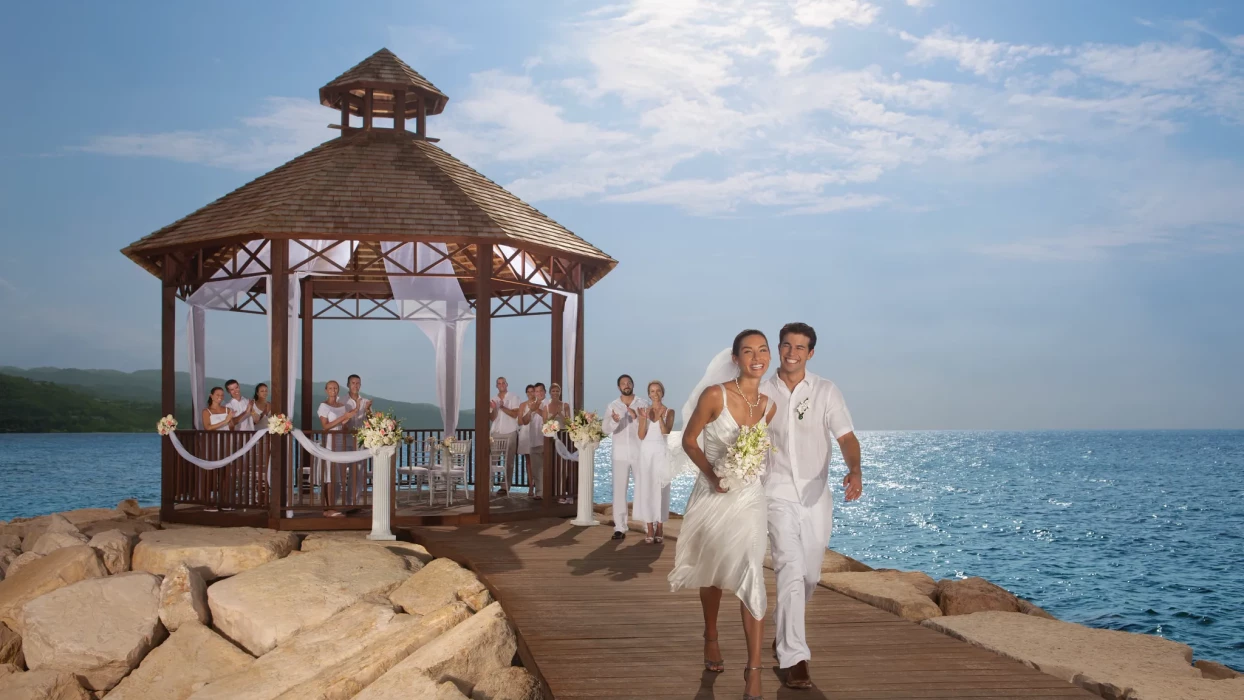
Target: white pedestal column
{"x":382,"y":491}
{"x":587,"y":465}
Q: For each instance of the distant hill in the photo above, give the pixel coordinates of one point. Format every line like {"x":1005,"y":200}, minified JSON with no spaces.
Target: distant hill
{"x":141,"y":392}
{"x":42,"y":407}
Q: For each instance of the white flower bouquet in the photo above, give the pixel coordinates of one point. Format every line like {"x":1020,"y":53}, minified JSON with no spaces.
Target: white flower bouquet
{"x":166,"y":425}
{"x":745,"y":459}
{"x":448,"y":442}
{"x":585,"y":428}
{"x":380,"y":429}
{"x":279,"y":424}
{"x":550,"y":428}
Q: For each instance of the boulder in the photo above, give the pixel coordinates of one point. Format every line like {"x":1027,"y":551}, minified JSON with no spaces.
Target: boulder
{"x":1029,"y":609}
{"x":115,"y":548}
{"x":183,"y":599}
{"x":1110,"y":663}
{"x":44,"y":575}
{"x":97,"y":629}
{"x":904,"y":593}
{"x":55,"y":524}
{"x":134,"y":528}
{"x":513,"y":683}
{"x":418,"y":686}
{"x":260,"y":608}
{"x":214,"y":552}
{"x":21,"y":560}
{"x":11,"y":647}
{"x":11,"y":542}
{"x":130,"y":508}
{"x":6,"y":669}
{"x":68,"y":521}
{"x":466,"y":655}
{"x":6,"y":558}
{"x":408,"y":634}
{"x":192,"y":657}
{"x":437,"y":585}
{"x":49,"y":542}
{"x":1209,"y":669}
{"x":416,"y":554}
{"x":973,"y":594}
{"x":835,"y":563}
{"x":42,"y":685}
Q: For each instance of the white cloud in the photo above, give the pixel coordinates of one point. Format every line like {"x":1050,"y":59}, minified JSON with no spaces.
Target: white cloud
{"x":984,"y":57}
{"x":1151,"y":65}
{"x":920,"y":3}
{"x":827,"y":13}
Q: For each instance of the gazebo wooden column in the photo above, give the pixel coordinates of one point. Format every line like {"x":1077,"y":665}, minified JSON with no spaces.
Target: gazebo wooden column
{"x":168,"y":381}
{"x":483,"y":372}
{"x":278,"y":311}
{"x":308,"y":354}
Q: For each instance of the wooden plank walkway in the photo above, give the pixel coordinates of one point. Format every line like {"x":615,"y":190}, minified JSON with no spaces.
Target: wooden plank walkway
{"x":596,"y":620}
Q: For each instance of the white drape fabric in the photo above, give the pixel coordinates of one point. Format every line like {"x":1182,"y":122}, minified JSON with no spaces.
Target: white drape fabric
{"x":327,"y":455}
{"x":570,"y":339}
{"x":216,"y":464}
{"x":564,"y":452}
{"x":194,"y":341}
{"x":720,"y":370}
{"x":307,"y":443}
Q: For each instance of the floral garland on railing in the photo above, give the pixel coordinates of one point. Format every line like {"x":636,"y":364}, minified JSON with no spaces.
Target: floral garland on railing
{"x":279,"y":424}
{"x":166,"y":425}
{"x":551,"y":428}
{"x":448,"y":443}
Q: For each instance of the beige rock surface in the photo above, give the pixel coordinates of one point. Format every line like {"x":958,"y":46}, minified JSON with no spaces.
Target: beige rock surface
{"x":6,"y":669}
{"x":133,"y":528}
{"x":21,"y":560}
{"x":49,"y":542}
{"x":57,"y":570}
{"x":42,"y":685}
{"x":68,"y":521}
{"x":262,"y":607}
{"x":835,"y":563}
{"x":98,"y":629}
{"x":130,"y":508}
{"x":11,"y":542}
{"x":417,"y":685}
{"x":974,"y":594}
{"x":1112,"y":664}
{"x":214,"y":552}
{"x":416,"y":554}
{"x":1029,"y":609}
{"x":115,"y":549}
{"x":11,"y":647}
{"x":437,"y":585}
{"x":6,"y":557}
{"x":904,"y":593}
{"x":183,"y":599}
{"x":449,"y":691}
{"x":191,"y":657}
{"x":1209,"y":669}
{"x":306,"y":654}
{"x":466,"y":654}
{"x":513,"y":683}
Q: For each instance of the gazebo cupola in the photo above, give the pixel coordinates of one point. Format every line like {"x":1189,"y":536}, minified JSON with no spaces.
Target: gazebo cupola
{"x":384,"y":86}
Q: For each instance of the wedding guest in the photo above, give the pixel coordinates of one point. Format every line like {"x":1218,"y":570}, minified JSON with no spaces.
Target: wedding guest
{"x":525,"y":436}
{"x":356,"y":471}
{"x":652,"y":501}
{"x":215,"y":417}
{"x":239,"y":407}
{"x":558,"y":410}
{"x":334,"y":414}
{"x":260,"y":410}
{"x":621,"y":422}
{"x":503,"y":412}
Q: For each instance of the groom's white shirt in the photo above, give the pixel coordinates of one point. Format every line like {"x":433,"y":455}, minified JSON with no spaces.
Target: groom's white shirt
{"x":625,"y":430}
{"x":799,"y":468}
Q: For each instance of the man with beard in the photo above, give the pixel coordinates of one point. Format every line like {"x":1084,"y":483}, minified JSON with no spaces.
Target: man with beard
{"x":621,"y":422}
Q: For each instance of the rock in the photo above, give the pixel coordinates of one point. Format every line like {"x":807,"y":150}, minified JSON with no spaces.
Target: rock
{"x":260,"y":608}
{"x":465,"y":654}
{"x":11,"y":542}
{"x":114,"y":548}
{"x":44,"y":575}
{"x":6,"y":557}
{"x":406,"y":635}
{"x":418,"y":685}
{"x":6,"y":669}
{"x":183,"y":599}
{"x":513,"y":683}
{"x":55,"y":524}
{"x":134,"y":528}
{"x":49,"y":542}
{"x":68,"y":521}
{"x":42,"y":685}
{"x":1209,"y":669}
{"x":835,"y":563}
{"x":214,"y":552}
{"x":130,"y":508}
{"x":1029,"y":609}
{"x":437,"y":585}
{"x":974,"y":594}
{"x":20,"y":561}
{"x":904,"y":593}
{"x":11,"y":647}
{"x":449,"y":691}
{"x":415,"y":554}
{"x":192,"y":657}
{"x":97,"y":629}
{"x":1109,"y":663}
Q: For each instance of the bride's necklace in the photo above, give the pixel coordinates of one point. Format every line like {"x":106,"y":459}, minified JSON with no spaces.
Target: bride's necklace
{"x":750,"y":406}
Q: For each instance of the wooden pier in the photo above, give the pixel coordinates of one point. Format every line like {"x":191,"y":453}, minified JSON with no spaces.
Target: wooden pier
{"x":596,"y":620}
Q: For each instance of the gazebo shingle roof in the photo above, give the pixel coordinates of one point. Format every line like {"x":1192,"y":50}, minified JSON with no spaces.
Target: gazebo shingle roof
{"x":384,"y":70}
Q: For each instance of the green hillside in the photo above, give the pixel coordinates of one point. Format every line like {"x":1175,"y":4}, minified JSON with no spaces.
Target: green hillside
{"x":43,"y":407}
{"x":140,"y":391}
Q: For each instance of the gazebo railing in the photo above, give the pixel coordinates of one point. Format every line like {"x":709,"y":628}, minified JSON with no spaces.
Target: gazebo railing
{"x":241,"y":484}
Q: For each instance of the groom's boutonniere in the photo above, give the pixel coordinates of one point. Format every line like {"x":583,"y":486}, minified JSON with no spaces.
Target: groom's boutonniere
{"x":802,"y":408}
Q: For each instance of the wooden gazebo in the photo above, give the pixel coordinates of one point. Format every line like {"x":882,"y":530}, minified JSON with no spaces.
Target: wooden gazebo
{"x":331,"y":222}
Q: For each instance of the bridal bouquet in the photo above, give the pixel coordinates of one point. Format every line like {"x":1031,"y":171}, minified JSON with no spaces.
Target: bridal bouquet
{"x":745,"y":459}
{"x":380,"y":429}
{"x":279,"y":424}
{"x":550,"y":428}
{"x":166,"y":425}
{"x":585,"y":428}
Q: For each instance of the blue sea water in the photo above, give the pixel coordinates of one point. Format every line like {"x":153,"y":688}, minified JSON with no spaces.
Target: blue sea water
{"x":1136,"y":531}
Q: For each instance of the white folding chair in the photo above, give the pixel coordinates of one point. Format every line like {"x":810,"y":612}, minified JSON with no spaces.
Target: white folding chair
{"x":421,"y":460}
{"x":498,"y":447}
{"x":450,"y":471}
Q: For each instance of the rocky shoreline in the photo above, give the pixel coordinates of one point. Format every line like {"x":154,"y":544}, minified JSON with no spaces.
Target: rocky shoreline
{"x":1114,"y":665}
{"x":110,"y":603}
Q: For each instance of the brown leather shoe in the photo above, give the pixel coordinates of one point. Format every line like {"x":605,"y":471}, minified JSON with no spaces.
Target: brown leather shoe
{"x":797,"y":676}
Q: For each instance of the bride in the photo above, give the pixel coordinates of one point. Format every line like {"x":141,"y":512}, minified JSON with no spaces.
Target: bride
{"x":721,"y":545}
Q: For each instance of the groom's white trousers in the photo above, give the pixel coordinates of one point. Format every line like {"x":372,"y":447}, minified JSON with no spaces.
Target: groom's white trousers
{"x":621,"y":478}
{"x":798,"y":536}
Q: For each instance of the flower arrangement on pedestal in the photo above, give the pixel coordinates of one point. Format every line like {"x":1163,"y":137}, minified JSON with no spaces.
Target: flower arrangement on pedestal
{"x":380,"y":429}
{"x":166,"y":425}
{"x":585,"y":428}
{"x":279,"y":424}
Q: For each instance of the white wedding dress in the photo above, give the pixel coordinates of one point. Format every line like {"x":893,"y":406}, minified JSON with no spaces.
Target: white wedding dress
{"x":723,"y":536}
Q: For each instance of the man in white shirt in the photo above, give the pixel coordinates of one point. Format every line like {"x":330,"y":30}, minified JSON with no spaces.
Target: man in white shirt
{"x":503,"y":412}
{"x":620,"y":422}
{"x":531,"y":424}
{"x":361,"y":406}
{"x":239,"y":407}
{"x":810,"y":411}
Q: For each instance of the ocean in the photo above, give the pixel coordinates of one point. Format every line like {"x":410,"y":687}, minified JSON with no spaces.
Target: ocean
{"x":1140,"y":531}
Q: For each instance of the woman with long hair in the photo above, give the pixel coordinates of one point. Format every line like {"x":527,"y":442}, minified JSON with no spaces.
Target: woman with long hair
{"x":651,"y":505}
{"x":334,"y":415}
{"x":261,"y":411}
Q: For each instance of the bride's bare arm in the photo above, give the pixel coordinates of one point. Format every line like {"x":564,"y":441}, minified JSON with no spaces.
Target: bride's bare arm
{"x":706,"y":411}
{"x":643,"y":427}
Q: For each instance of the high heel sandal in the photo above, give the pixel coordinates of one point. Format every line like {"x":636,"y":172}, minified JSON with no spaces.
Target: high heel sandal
{"x":714,"y":666}
{"x":747,"y":676}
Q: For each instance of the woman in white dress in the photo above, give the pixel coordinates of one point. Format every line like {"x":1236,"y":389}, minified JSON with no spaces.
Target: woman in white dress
{"x":559,"y":411}
{"x":721,"y":545}
{"x":334,"y":416}
{"x":215,"y":417}
{"x":651,"y":505}
{"x":261,"y":410}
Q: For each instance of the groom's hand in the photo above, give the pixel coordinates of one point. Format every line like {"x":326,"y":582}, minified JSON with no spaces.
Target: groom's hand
{"x":853,"y":484}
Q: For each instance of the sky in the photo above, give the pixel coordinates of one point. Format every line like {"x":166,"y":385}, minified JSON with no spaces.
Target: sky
{"x":997,"y":215}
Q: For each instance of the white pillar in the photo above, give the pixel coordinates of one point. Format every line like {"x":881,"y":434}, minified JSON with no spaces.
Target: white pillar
{"x":587,"y":461}
{"x":382,"y":478}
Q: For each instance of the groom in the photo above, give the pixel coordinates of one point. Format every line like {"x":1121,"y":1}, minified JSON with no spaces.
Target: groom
{"x":810,"y":411}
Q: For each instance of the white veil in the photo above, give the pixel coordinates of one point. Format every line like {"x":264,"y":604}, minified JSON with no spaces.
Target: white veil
{"x":721,"y":370}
